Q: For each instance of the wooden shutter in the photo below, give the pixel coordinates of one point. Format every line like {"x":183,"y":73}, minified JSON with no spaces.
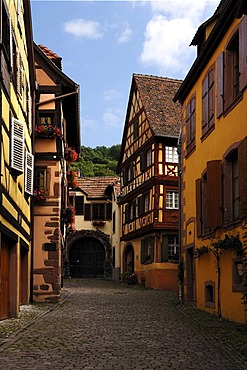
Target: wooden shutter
{"x":227,"y":192}
{"x":220,"y":84}
{"x":242,"y":173}
{"x":228,"y":78}
{"x":140,"y":205}
{"x":79,"y":201}
{"x":19,"y":73}
{"x":29,"y":164}
{"x":142,"y":161}
{"x":243,"y":53}
{"x":17,"y":145}
{"x":126,"y":213}
{"x":143,"y":255}
{"x":87,"y":216}
{"x":205,"y":105}
{"x":109,"y":211}
{"x":199,"y":207}
{"x":164,"y":251}
{"x":214,"y":194}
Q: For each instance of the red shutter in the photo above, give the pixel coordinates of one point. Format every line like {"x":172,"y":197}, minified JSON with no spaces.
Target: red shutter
{"x":205,"y":105}
{"x":242,"y":171}
{"x":220,"y":84}
{"x":214,"y":194}
{"x":228,"y":78}
{"x":243,"y":53}
{"x":227,"y":191}
{"x":198,"y":208}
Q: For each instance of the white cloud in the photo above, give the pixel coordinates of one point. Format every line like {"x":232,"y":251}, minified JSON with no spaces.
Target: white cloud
{"x":84,"y":28}
{"x":166,"y":43}
{"x":125,"y":35}
{"x":170,"y":31}
{"x":113,"y":118}
{"x":110,"y":95}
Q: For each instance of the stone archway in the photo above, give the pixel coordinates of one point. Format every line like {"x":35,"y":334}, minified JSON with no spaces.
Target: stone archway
{"x":128,"y":259}
{"x":88,"y":254}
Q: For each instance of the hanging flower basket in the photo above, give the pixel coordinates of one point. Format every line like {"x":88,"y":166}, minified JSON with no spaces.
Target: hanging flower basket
{"x":70,"y":155}
{"x":72,"y":179}
{"x":40,"y":194}
{"x":47,"y":132}
{"x":69,"y":216}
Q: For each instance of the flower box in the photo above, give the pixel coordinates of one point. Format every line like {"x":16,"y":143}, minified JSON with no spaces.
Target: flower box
{"x":48,"y":132}
{"x":40,"y":195}
{"x":69,"y":215}
{"x":72,"y":179}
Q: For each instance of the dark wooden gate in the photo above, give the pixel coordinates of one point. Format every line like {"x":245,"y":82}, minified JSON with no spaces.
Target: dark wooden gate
{"x":4,"y":280}
{"x":87,"y":258}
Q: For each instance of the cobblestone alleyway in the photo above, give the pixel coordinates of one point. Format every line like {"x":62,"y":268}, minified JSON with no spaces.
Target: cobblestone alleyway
{"x":107,"y":325}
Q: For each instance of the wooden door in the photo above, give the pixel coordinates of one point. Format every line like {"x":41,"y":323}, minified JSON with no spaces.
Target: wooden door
{"x":4,"y":280}
{"x":191,"y":281}
{"x":87,"y":259}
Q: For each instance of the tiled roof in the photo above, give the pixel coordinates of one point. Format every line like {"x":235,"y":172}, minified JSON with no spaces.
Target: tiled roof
{"x":157,"y":93}
{"x":95,"y":187}
{"x":57,"y":60}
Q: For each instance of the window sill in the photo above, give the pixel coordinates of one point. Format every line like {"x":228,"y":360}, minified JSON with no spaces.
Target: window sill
{"x":232,"y":105}
{"x":208,"y":132}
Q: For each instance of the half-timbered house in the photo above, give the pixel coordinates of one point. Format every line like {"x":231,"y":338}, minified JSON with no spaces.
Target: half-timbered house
{"x":149,"y":197}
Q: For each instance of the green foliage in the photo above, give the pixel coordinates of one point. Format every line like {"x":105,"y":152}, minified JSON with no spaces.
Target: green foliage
{"x":99,"y":161}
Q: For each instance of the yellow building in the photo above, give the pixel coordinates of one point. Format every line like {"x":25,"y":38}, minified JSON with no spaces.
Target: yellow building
{"x":149,"y":198}
{"x":93,"y":250}
{"x":16,"y":154}
{"x":214,"y":159}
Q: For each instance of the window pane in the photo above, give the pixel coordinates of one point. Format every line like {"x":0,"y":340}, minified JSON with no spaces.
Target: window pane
{"x":171,"y":154}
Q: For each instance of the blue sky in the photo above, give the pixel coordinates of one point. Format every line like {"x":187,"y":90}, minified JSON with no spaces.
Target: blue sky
{"x":102,"y":43}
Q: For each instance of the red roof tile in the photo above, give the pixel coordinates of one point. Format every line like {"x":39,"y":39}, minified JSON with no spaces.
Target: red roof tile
{"x":95,"y":187}
{"x":57,"y":60}
{"x":157,"y":93}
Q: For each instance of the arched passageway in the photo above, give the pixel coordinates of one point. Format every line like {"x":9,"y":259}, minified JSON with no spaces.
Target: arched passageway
{"x":128,"y":259}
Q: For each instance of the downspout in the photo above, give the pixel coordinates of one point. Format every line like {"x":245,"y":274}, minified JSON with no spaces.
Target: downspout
{"x":180,"y":265}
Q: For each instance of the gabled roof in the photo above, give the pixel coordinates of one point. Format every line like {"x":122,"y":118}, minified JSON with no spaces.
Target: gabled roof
{"x":52,"y":56}
{"x":98,"y":187}
{"x":156,"y":93}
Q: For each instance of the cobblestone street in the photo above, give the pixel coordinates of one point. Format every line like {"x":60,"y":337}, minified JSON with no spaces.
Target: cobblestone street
{"x":107,"y":325}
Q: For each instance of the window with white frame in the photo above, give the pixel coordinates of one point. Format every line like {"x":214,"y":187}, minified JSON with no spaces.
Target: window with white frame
{"x":171,"y":154}
{"x":173,"y":248}
{"x":171,"y":199}
{"x":149,"y":157}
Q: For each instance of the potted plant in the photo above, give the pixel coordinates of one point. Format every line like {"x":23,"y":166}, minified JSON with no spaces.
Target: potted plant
{"x":69,"y":215}
{"x":70,"y":154}
{"x":72,"y":179}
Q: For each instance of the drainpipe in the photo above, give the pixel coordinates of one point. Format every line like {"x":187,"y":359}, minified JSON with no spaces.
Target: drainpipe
{"x":180,"y":266}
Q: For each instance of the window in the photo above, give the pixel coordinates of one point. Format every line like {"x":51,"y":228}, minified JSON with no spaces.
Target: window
{"x":231,"y":69}
{"x":130,"y":211}
{"x":79,"y":204}
{"x":40,"y":179}
{"x":171,"y":199}
{"x":97,"y":211}
{"x":208,"y":102}
{"x":173,"y":252}
{"x":130,"y":172}
{"x":46,"y":119}
{"x":190,"y":124}
{"x":146,"y":159}
{"x":171,"y":154}
{"x":238,"y":273}
{"x":136,"y":130}
{"x":143,"y":204}
{"x":209,"y":287}
{"x":147,"y":250}
{"x":114,"y":222}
